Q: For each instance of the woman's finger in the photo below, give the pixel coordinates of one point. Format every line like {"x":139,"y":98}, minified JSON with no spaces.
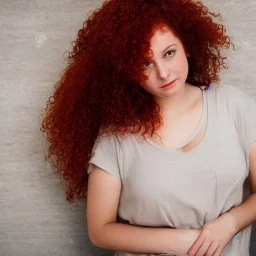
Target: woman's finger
{"x":218,"y":252}
{"x":212,"y":249}
{"x":204,"y":248}
{"x":195,"y":247}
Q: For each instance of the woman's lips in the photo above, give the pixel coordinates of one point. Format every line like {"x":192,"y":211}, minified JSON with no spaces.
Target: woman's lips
{"x":166,"y":85}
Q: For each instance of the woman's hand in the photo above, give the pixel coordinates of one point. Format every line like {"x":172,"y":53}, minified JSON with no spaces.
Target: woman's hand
{"x":214,"y":236}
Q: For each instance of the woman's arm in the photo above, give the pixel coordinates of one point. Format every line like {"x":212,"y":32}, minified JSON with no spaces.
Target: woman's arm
{"x":123,"y":237}
{"x":104,"y":231}
{"x":245,"y":213}
{"x":218,"y":232}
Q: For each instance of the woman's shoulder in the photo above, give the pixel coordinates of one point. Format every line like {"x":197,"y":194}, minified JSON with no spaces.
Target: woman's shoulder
{"x":231,"y":95}
{"x":227,"y":89}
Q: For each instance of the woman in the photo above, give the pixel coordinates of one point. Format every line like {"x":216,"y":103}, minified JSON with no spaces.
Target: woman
{"x":169,"y":150}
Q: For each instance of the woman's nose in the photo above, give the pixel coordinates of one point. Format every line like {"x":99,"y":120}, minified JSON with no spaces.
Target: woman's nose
{"x":163,"y":71}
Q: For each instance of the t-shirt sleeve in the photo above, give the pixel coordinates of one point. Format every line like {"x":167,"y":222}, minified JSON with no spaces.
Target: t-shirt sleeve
{"x":105,"y":154}
{"x":248,"y":122}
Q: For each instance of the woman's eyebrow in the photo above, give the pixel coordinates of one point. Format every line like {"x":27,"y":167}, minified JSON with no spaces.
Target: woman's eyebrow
{"x":152,"y":58}
{"x":168,"y":47}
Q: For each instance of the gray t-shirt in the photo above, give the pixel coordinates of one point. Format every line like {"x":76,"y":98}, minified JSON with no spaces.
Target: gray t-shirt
{"x":165,"y":187}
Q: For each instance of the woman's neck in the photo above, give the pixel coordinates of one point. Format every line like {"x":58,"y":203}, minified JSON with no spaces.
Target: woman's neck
{"x":179,"y":104}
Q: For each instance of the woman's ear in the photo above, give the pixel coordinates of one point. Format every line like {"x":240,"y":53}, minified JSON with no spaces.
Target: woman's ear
{"x":187,"y":52}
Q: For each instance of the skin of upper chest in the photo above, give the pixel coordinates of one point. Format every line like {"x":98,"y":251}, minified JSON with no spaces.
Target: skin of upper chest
{"x":177,"y":129}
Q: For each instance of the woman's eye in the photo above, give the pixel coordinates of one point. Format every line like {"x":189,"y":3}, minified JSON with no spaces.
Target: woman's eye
{"x":147,"y":64}
{"x":170,"y":53}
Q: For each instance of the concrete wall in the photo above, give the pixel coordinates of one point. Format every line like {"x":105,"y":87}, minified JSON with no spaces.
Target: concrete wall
{"x":35,"y":219}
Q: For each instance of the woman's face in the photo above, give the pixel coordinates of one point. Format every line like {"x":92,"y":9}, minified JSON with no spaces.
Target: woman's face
{"x":169,"y":63}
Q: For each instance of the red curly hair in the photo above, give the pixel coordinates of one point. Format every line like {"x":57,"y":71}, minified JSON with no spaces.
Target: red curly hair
{"x":99,"y":90}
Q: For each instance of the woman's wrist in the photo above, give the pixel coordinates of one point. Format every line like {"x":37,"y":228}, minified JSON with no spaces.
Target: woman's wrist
{"x":236,"y":225}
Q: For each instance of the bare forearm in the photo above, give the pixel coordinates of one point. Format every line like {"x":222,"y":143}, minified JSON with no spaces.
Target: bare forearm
{"x":245,"y":213}
{"x":128,"y":238}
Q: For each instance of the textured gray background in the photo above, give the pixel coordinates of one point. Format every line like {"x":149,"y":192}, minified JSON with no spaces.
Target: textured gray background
{"x":35,"y":219}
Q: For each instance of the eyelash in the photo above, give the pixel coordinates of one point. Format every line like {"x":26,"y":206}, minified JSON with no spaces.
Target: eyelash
{"x":172,"y":51}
